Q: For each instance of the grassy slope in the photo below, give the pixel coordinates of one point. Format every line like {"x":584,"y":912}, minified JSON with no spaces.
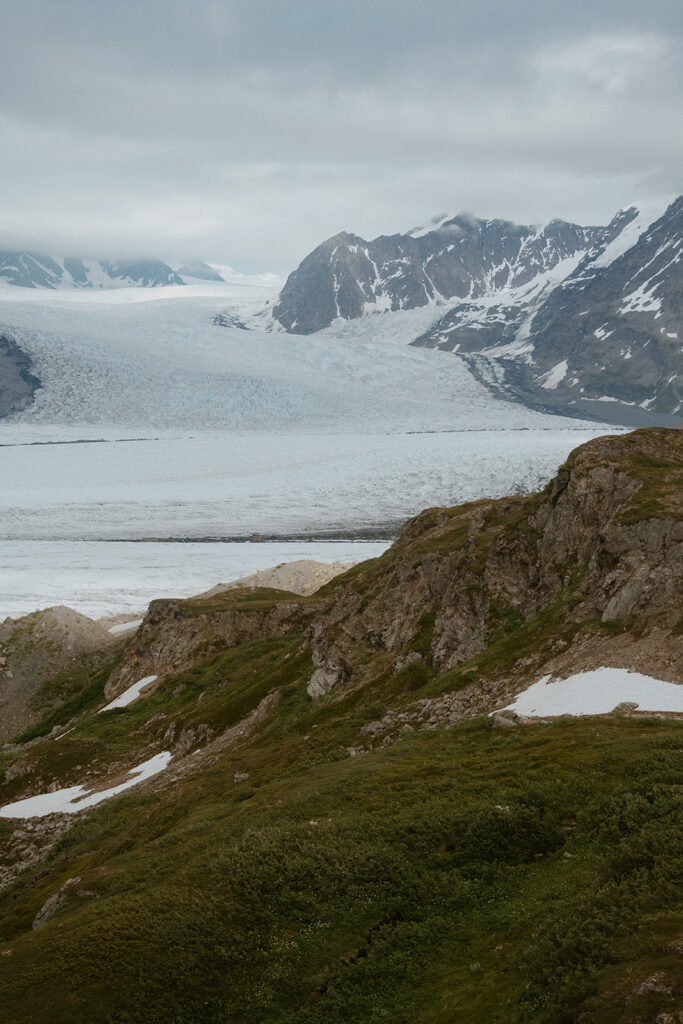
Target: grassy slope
{"x":424,"y":882}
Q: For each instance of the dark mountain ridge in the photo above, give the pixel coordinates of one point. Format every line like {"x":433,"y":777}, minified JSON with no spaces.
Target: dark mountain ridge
{"x":581,"y":321}
{"x":463,"y":257}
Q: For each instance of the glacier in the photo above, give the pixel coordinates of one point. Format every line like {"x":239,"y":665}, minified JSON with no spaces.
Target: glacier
{"x":153,"y":422}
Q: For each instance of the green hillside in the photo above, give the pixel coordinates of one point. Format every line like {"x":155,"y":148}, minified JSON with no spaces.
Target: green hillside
{"x":345,"y":834}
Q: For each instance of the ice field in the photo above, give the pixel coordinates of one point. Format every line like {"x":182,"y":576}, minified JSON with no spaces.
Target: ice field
{"x":153,"y":422}
{"x":102,"y":579}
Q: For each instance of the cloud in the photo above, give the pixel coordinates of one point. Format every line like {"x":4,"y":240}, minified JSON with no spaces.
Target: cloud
{"x":607,"y":63}
{"x":247,"y":132}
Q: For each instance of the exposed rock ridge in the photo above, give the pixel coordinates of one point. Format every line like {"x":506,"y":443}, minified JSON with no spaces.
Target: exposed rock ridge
{"x":176,"y":634}
{"x":604,"y":542}
{"x":604,"y":342}
{"x":17,"y":382}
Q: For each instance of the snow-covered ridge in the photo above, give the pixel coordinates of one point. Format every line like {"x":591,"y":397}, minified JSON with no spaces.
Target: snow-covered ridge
{"x":38,"y":271}
{"x":448,"y":261}
{"x":638,"y":218}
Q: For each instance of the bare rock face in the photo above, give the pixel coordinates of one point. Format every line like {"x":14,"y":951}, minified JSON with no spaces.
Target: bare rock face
{"x":347,"y":276}
{"x":17,"y":383}
{"x":595,"y":540}
{"x":177,"y":634}
{"x":38,"y":647}
{"x":330,"y":668}
{"x":54,"y":903}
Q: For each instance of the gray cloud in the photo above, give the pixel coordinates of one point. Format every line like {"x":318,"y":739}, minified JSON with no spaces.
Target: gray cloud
{"x":249,"y":131}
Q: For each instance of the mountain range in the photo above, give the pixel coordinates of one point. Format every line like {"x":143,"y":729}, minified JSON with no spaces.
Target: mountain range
{"x":38,"y":270}
{"x":583,"y":320}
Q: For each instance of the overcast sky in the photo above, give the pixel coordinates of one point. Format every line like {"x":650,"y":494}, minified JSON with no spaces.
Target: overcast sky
{"x":247,"y":131}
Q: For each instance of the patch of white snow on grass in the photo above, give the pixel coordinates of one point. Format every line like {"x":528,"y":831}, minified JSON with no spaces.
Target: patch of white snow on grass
{"x":597,"y":693}
{"x":129,"y":695}
{"x":78,"y":798}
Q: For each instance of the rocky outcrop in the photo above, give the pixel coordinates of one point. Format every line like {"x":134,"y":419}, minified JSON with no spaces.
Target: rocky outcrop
{"x":54,"y":903}
{"x":37,"y":650}
{"x":17,"y":383}
{"x":330,"y":668}
{"x":29,"y":844}
{"x":603,"y":542}
{"x":177,"y":634}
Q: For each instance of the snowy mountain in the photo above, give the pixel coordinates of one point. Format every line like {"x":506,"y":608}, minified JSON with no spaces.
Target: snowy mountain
{"x":455,"y":258}
{"x":608,"y":332}
{"x":36,"y":270}
{"x":583,"y":320}
{"x":200,"y":271}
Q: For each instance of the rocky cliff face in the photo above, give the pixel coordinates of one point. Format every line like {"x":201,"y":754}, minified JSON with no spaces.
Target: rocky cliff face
{"x":177,"y":634}
{"x":604,"y":342}
{"x":615,"y":326}
{"x":603,"y":542}
{"x":17,"y":383}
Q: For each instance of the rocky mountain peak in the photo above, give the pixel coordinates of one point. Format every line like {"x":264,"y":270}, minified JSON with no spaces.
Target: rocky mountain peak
{"x":453,"y":258}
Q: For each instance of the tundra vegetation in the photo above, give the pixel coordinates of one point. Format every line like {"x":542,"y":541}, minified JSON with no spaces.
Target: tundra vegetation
{"x":374,"y":845}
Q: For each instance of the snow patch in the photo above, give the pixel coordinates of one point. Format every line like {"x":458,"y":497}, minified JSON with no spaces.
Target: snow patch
{"x":646,"y":214}
{"x":554,"y":376}
{"x":125,"y":627}
{"x":129,"y":695}
{"x":597,"y":693}
{"x":78,"y":798}
{"x":642,"y":301}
